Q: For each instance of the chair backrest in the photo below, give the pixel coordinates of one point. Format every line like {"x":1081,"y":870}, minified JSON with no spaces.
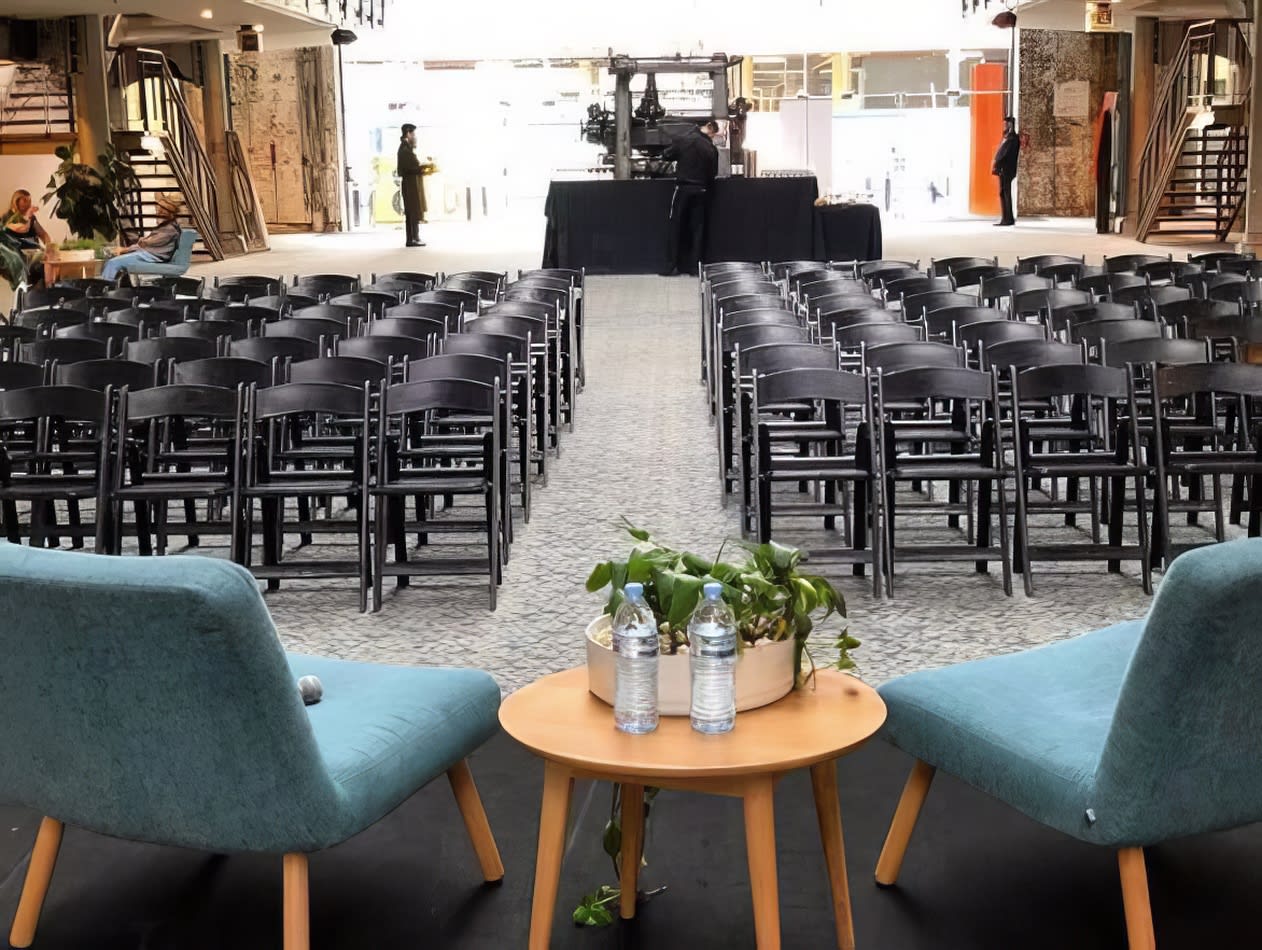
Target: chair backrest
{"x":348,"y":370}
{"x":943,"y":267}
{"x":183,"y":255}
{"x":848,"y":301}
{"x":1236,"y":379}
{"x":383,"y":348}
{"x":325,"y":285}
{"x":973,"y":276}
{"x":745,"y":318}
{"x":372,"y":302}
{"x":521,"y":308}
{"x":484,"y":369}
{"x":291,"y":399}
{"x":229,"y":371}
{"x":1044,"y":382}
{"x":146,"y":294}
{"x":62,"y":350}
{"x":774,"y":357}
{"x":1115,"y":331}
{"x":916,"y":305}
{"x":914,"y":354}
{"x":418,"y":327}
{"x":49,"y":296}
{"x":1122,"y":263}
{"x":1177,"y":759}
{"x":509,"y":326}
{"x":460,"y":395}
{"x":407,"y":276}
{"x":1024,"y":353}
{"x":162,"y":680}
{"x":465,"y":301}
{"x":1008,"y":284}
{"x":871,"y":334}
{"x":265,"y":349}
{"x":433,"y":309}
{"x":42,"y":317}
{"x":1156,"y":350}
{"x":313,"y":329}
{"x":1037,"y":263}
{"x":945,"y":320}
{"x":98,"y":374}
{"x":936,"y":383}
{"x":801,"y":385}
{"x":756,"y":334}
{"x":179,"y":349}
{"x":487,"y":344}
{"x":989,"y":332}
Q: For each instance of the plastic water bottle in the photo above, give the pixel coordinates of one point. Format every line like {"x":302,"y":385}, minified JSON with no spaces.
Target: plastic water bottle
{"x":635,"y":676}
{"x":712,"y":663}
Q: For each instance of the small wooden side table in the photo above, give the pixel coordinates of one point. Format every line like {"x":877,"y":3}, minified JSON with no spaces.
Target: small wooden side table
{"x":55,"y":270}
{"x":573,"y":731}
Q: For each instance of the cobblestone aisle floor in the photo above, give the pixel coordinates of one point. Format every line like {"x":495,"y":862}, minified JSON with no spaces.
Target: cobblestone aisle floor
{"x":642,"y":448}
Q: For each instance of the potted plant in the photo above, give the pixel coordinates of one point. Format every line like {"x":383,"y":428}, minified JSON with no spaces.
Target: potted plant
{"x":87,"y":198}
{"x":12,"y":263}
{"x":776,"y":607}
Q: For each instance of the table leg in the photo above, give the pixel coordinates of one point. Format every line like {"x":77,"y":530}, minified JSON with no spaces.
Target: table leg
{"x":760,"y":848}
{"x":558,"y":784}
{"x":632,"y":847}
{"x":828,"y":810}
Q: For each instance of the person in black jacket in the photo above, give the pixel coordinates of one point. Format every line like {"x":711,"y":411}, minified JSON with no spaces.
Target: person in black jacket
{"x":408,"y":168}
{"x":696,"y":164}
{"x":1005,"y":166}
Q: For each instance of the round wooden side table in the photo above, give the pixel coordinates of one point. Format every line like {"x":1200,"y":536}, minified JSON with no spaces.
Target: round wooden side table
{"x":573,"y":732}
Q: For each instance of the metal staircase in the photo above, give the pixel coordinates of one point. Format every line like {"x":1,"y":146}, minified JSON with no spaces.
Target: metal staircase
{"x":1193,"y":170}
{"x":35,"y":101}
{"x":165,"y":150}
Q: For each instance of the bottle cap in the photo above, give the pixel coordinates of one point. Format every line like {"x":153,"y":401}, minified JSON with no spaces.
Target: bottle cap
{"x":634,"y":590}
{"x":713,"y":590}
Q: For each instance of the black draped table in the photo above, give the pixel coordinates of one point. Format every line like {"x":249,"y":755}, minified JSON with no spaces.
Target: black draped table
{"x":848,"y":233}
{"x":620,"y":227}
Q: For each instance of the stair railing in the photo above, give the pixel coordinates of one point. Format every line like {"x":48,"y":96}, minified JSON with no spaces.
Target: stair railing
{"x":1232,"y":174}
{"x":1187,"y":83}
{"x":164,"y":113}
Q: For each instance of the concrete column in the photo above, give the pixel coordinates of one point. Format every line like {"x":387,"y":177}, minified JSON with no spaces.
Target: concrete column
{"x":1143,"y":83}
{"x":1253,"y":200}
{"x":92,"y":111}
{"x":215,"y":120}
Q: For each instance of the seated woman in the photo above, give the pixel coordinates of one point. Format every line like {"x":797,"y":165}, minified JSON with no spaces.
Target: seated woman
{"x":156,"y":247}
{"x":26,"y":233}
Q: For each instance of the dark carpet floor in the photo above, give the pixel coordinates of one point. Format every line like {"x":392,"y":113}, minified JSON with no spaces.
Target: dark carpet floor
{"x":978,"y":875}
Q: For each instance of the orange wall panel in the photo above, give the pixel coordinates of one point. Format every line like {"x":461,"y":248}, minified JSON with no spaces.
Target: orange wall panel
{"x":986,"y":114}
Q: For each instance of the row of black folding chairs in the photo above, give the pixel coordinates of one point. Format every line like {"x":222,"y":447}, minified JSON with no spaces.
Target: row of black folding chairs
{"x":950,"y":424}
{"x":430,"y":437}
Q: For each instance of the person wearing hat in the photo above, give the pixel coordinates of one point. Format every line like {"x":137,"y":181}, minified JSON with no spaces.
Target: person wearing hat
{"x":1005,"y":166}
{"x":156,"y":247}
{"x":409,"y":169}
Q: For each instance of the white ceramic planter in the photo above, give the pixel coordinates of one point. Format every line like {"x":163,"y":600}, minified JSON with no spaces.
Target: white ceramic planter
{"x":763,"y":673}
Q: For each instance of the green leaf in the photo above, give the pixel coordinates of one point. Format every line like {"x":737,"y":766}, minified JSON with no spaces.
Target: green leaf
{"x":599,"y":577}
{"x":685,"y":592}
{"x":695,"y":564}
{"x":611,"y":840}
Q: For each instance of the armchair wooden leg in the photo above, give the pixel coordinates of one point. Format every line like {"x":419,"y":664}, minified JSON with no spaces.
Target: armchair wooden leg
{"x":35,"y":888}
{"x":475,"y":822}
{"x":1130,"y":862}
{"x":896,"y":840}
{"x":297,"y":911}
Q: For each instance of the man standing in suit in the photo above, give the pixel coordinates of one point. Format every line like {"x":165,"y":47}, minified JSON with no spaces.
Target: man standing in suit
{"x":408,"y":168}
{"x":696,"y":165}
{"x":1005,"y":166}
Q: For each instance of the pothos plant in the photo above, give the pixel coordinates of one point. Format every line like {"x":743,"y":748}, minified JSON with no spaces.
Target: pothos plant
{"x":770,"y":599}
{"x":12,"y":264}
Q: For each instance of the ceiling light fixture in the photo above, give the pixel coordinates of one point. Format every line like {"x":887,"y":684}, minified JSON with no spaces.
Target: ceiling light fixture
{"x":208,"y":14}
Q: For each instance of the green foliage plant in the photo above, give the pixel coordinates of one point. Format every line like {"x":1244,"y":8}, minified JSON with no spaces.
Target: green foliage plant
{"x":87,"y":197}
{"x":12,"y":263}
{"x":770,"y":597}
{"x":771,"y":600}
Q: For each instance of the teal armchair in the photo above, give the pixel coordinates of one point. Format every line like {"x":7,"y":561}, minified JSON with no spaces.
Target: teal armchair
{"x":150,"y":699}
{"x":1123,"y":737}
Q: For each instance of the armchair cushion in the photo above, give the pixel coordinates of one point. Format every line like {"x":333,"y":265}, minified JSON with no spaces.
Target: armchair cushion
{"x":384,"y":731}
{"x":1027,"y":728}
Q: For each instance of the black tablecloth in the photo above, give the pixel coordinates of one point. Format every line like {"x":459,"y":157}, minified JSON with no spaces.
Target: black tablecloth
{"x":848,"y":233}
{"x":620,"y":227}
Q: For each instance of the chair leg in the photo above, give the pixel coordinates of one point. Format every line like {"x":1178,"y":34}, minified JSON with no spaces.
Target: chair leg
{"x":1139,"y":932}
{"x":297,"y":913}
{"x":38,"y":875}
{"x":475,"y":822}
{"x":904,"y":822}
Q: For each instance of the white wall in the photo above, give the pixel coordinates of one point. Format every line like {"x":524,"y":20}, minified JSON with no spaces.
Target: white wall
{"x":32,"y":173}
